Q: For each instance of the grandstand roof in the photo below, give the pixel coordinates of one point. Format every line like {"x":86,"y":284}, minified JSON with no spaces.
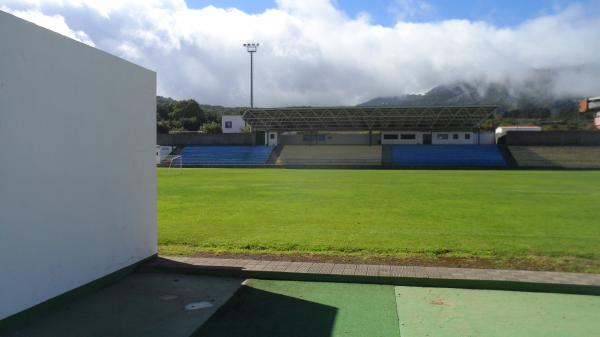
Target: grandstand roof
{"x":417,"y":118}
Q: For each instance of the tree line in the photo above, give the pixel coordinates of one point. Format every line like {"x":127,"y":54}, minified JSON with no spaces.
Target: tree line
{"x":187,"y":115}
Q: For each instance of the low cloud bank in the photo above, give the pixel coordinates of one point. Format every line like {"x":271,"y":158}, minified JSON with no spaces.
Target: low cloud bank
{"x":312,"y":53}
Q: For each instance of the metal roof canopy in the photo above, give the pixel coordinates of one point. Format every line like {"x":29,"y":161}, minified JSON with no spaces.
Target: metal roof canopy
{"x":414,"y":118}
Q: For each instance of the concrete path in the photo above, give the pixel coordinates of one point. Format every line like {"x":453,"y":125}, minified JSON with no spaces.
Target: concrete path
{"x":542,"y":277}
{"x":149,"y":305}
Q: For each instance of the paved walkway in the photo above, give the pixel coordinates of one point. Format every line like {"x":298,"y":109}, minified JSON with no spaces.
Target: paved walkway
{"x":384,"y":270}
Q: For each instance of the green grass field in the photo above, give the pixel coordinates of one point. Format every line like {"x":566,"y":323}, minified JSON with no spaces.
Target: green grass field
{"x":505,"y":219}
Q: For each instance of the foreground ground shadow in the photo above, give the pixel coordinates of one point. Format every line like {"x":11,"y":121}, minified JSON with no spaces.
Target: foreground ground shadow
{"x":255,"y":312}
{"x":306,"y":309}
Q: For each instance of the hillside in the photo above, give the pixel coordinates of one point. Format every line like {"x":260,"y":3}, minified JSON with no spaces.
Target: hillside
{"x":532,"y":103}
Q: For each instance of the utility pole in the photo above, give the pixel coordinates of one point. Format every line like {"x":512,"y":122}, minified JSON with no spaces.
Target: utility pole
{"x":251,"y":48}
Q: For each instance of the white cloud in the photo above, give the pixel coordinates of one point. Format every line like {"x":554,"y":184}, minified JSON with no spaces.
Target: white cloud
{"x":312,"y":53}
{"x":55,"y":23}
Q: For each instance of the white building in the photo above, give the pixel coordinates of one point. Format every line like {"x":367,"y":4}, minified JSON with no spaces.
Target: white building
{"x":162,"y":152}
{"x":232,"y":123}
{"x":591,"y":105}
{"x":75,"y":215}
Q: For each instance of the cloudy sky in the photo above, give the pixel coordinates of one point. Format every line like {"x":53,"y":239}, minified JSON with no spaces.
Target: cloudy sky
{"x":335,"y":52}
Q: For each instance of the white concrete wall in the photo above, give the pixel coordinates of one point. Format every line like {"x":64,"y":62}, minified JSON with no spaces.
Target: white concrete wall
{"x":487,"y":138}
{"x":461,"y":139}
{"x":237,"y":123}
{"x":417,"y":140}
{"x":87,"y":207}
{"x":454,"y":138}
{"x":502,"y":130}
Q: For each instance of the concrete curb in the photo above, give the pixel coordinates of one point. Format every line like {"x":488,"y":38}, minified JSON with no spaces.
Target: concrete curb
{"x":164,"y":265}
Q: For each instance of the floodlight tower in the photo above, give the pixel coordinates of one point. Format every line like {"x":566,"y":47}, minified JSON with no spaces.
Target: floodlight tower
{"x":251,"y":48}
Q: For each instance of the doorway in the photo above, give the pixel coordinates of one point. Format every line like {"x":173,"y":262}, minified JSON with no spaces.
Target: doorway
{"x":427,"y":139}
{"x":272,"y":139}
{"x":260,"y":138}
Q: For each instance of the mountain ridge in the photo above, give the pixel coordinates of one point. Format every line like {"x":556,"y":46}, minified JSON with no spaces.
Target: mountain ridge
{"x":536,"y":101}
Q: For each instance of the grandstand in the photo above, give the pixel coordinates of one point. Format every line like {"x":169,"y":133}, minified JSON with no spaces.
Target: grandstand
{"x":393,"y":137}
{"x":330,"y":155}
{"x":358,"y":136}
{"x":450,"y":135}
{"x":225,"y":155}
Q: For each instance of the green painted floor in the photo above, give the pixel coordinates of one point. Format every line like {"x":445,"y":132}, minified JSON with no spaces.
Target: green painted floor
{"x":313,"y":309}
{"x":159,"y":305}
{"x":442,"y":312}
{"x":306,"y":309}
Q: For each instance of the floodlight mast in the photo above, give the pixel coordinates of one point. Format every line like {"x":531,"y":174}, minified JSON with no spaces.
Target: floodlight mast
{"x":251,"y":48}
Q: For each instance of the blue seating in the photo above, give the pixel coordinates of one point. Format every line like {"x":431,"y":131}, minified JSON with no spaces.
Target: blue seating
{"x":226,"y":155}
{"x":447,"y":156}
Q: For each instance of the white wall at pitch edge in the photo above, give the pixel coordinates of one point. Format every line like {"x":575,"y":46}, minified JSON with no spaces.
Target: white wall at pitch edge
{"x":73,"y":215}
{"x":438,"y":138}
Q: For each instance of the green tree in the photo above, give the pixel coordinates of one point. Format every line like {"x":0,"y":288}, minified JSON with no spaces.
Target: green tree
{"x":188,"y":114}
{"x":211,"y":128}
{"x":163,"y":126}
{"x":247,"y":129}
{"x":164,"y":105}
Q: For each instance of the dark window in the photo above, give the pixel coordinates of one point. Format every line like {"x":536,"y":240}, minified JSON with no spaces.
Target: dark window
{"x":455,"y":136}
{"x":442,"y":136}
{"x":467,"y":136}
{"x":390,"y":136}
{"x":312,"y":138}
{"x":272,"y":136}
{"x":408,"y":136}
{"x":228,"y":125}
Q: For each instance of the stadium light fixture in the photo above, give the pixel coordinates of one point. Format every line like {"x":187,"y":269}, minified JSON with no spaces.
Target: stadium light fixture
{"x":251,"y":48}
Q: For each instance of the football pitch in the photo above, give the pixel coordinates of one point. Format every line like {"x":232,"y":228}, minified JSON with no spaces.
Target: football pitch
{"x":497,"y":219}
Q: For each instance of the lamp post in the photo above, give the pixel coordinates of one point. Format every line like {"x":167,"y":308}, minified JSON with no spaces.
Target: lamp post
{"x":251,"y":48}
